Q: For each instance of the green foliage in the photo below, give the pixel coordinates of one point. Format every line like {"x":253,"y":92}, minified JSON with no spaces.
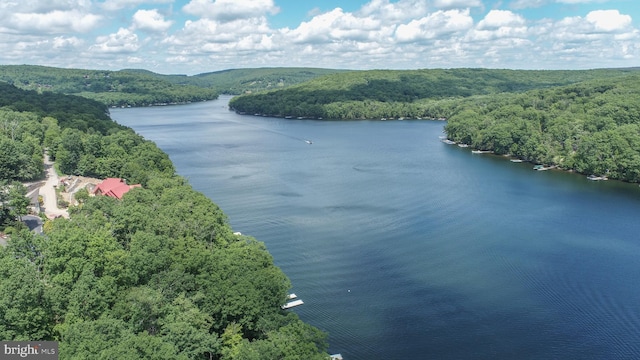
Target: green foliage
{"x":240,"y":81}
{"x":158,"y":274}
{"x":24,"y":310}
{"x":81,"y":138}
{"x":121,"y":154}
{"x":399,"y":93}
{"x":591,"y":127}
{"x":70,"y":111}
{"x":13,"y":203}
{"x":112,"y":88}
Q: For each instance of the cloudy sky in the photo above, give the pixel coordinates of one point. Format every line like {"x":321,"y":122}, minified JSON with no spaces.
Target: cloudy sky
{"x":195,"y":36}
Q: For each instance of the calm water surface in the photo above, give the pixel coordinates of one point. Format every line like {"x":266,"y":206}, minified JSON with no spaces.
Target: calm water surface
{"x":403,"y":247}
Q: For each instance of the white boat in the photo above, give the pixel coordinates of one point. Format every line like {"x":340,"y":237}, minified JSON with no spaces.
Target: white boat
{"x":447,"y":141}
{"x":481,"y":151}
{"x":516,"y":160}
{"x":463,"y":145}
{"x":308,"y":142}
{"x":291,"y":304}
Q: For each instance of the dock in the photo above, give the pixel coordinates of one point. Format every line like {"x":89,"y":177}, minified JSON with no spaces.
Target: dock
{"x":544,"y":168}
{"x":597,"y":178}
{"x":291,"y":304}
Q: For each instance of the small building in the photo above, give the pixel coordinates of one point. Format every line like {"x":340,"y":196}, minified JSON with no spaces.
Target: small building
{"x":113,"y":187}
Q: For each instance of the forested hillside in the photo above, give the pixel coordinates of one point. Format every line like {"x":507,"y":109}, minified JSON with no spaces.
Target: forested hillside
{"x":379,"y":94}
{"x":592,"y":127}
{"x":157,"y":275}
{"x":135,"y":87}
{"x":239,"y":81}
{"x":79,"y":135}
{"x":112,"y":88}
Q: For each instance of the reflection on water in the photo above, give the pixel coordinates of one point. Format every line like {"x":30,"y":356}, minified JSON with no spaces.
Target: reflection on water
{"x":403,"y":247}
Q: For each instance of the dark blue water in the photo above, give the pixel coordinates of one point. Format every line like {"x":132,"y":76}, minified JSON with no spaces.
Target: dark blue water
{"x":403,"y":247}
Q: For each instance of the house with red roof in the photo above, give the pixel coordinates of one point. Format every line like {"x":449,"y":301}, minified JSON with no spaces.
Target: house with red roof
{"x":113,"y":187}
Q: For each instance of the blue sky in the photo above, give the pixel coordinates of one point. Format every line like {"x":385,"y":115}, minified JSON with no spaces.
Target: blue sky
{"x":195,"y":36}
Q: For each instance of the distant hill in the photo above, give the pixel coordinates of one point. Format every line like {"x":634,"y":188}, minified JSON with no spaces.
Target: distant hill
{"x":402,"y":93}
{"x":137,"y":87}
{"x":239,"y":81}
{"x":112,"y":88}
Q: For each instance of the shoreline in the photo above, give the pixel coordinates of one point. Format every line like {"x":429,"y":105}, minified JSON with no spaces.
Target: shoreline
{"x":550,"y":167}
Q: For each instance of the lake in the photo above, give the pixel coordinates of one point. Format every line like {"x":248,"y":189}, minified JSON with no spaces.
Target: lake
{"x":403,"y":247}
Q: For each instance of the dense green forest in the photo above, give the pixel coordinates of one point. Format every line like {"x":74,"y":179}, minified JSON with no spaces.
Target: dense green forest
{"x":379,"y":94}
{"x":112,"y":88}
{"x":79,"y":135}
{"x":157,"y":275}
{"x":591,"y":127}
{"x":135,"y":87}
{"x":240,"y":81}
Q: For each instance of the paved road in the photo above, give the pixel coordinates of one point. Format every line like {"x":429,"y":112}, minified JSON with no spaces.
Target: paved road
{"x":48,"y":191}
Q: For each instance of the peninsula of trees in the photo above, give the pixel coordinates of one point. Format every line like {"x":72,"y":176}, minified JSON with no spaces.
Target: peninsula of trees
{"x":591,"y":127}
{"x":393,"y":94}
{"x":157,"y":275}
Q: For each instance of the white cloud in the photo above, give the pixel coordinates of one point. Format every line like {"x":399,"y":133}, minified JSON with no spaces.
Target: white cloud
{"x":609,"y":20}
{"x":218,"y":34}
{"x":435,"y":25}
{"x":229,"y":10}
{"x":115,"y":5}
{"x":450,"y":4}
{"x":67,"y":43}
{"x":497,"y":27}
{"x":124,"y":41}
{"x":206,"y":37}
{"x":135,"y":60}
{"x":55,"y":22}
{"x":399,"y":11}
{"x":337,"y":25}
{"x":597,"y":25}
{"x":151,"y":20}
{"x":496,"y":19}
{"x":38,"y":6}
{"x":206,"y":30}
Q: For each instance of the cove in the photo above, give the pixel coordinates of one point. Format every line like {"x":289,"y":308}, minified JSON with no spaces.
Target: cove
{"x":403,"y":247}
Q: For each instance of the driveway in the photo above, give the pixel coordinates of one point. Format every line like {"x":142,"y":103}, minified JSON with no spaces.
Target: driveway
{"x":48,"y":191}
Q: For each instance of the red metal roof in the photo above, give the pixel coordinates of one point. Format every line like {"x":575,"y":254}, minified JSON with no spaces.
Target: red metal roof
{"x":113,"y":187}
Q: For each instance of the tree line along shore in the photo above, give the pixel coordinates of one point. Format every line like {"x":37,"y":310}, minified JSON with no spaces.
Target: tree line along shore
{"x":159,"y":274}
